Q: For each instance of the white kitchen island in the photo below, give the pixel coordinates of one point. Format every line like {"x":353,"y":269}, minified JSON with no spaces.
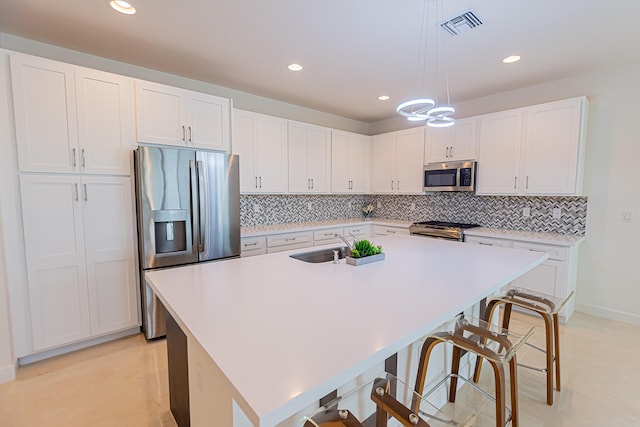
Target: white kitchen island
{"x":270,"y":335}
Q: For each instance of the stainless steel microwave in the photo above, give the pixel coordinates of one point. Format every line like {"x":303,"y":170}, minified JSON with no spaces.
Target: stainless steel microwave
{"x":453,"y":176}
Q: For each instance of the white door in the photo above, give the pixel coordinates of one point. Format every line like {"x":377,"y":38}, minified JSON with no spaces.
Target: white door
{"x":244,"y":128}
{"x":271,"y":154}
{"x":319,"y":159}
{"x":550,"y":143}
{"x":208,"y":121}
{"x":439,"y":142}
{"x":45,"y":114}
{"x":110,"y":253}
{"x":340,"y":161}
{"x":55,"y":254}
{"x":409,"y":161}
{"x":105,"y":122}
{"x":384,"y":163}
{"x":547,"y":278}
{"x":464,"y":141}
{"x":358,"y":158}
{"x":160,"y":114}
{"x":499,"y":153}
{"x":299,"y":177}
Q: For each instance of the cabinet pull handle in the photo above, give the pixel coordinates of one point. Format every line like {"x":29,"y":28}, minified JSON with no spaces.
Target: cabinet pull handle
{"x":485,"y":244}
{"x":398,"y":185}
{"x":526,"y":184}
{"x":86,"y":193}
{"x":184,"y":134}
{"x":447,"y":152}
{"x":76,"y":188}
{"x":256,"y":184}
{"x":392,"y":184}
{"x":515,"y":182}
{"x":260,"y":182}
{"x":73,"y":157}
{"x":312,"y":183}
{"x":355,"y":231}
{"x":289,"y":239}
{"x":84,"y":158}
{"x":451,"y":151}
{"x":189,"y":133}
{"x":308,"y":183}
{"x":251,"y":244}
{"x":391,"y":232}
{"x":538,"y":250}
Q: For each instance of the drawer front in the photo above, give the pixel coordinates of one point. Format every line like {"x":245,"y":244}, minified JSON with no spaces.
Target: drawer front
{"x":555,"y":252}
{"x":360,"y":231}
{"x":291,"y":246}
{"x":381,"y":230}
{"x":326,"y":235}
{"x":250,"y":246}
{"x":488,"y":241}
{"x":276,"y":240}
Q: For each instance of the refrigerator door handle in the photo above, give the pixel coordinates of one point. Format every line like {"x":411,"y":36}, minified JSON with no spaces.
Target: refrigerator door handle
{"x":194,"y":204}
{"x":202,"y":205}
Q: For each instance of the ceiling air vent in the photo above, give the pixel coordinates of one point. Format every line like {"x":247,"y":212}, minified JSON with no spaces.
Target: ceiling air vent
{"x":462,"y":23}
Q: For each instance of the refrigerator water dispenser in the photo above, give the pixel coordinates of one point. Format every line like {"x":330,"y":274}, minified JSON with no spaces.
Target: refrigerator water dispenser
{"x":170,"y":227}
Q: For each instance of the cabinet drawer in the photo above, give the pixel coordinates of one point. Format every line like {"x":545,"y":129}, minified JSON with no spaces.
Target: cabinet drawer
{"x":555,"y":252}
{"x":326,"y":235}
{"x":382,"y":230}
{"x":253,"y":246}
{"x":488,"y":241}
{"x":360,"y":231}
{"x":276,"y":240}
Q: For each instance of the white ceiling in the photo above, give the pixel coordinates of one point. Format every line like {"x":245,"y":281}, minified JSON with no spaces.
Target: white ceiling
{"x":352,"y":50}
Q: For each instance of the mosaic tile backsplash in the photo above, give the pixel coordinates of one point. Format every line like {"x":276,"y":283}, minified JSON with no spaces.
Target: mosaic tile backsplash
{"x":488,"y":211}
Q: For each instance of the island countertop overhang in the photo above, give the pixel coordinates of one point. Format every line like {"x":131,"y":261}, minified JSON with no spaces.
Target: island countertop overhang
{"x":269,"y":322}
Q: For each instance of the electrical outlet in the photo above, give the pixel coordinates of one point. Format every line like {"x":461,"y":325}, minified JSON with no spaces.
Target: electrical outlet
{"x":557,"y":212}
{"x":350,"y":205}
{"x":413,"y":206}
{"x":379,"y":205}
{"x":310,"y":206}
{"x":526,"y":212}
{"x":256,"y":207}
{"x":627,"y":216}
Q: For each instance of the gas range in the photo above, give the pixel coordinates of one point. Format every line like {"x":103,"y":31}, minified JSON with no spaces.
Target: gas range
{"x":441,"y":230}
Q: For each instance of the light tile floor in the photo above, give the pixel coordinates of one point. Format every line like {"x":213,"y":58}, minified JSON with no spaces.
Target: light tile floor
{"x":124,"y":383}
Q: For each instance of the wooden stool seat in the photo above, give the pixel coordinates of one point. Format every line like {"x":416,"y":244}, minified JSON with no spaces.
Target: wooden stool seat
{"x":496,"y":345}
{"x":548,"y":307}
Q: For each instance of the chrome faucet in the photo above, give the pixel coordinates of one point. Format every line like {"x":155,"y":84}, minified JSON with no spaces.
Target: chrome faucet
{"x":349,"y":245}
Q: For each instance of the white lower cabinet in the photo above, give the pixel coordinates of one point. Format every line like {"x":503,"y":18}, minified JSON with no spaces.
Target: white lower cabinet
{"x":358,"y":231}
{"x":80,"y":257}
{"x":555,"y":276}
{"x":250,"y":246}
{"x":387,"y":230}
{"x":288,"y":241}
{"x":327,"y":236}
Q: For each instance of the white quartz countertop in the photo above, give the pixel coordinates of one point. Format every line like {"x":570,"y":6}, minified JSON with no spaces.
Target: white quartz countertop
{"x":262,"y":230}
{"x":285,"y":332}
{"x":529,"y":236}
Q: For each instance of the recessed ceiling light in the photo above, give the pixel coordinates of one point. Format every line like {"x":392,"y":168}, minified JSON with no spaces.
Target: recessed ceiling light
{"x":383,"y":97}
{"x":295,"y":67}
{"x":122,"y":7}
{"x":511,"y":59}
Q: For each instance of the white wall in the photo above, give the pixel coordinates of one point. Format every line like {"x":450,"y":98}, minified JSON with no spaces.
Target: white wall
{"x":608,"y":276}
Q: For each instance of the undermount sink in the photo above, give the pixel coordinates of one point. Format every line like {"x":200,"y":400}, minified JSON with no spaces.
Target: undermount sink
{"x":321,"y":255}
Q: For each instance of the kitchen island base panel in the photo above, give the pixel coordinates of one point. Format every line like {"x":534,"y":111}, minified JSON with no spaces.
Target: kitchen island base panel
{"x":178,"y":368}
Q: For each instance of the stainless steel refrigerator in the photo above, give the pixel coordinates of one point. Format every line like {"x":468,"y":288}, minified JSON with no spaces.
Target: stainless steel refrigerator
{"x":188,"y":205}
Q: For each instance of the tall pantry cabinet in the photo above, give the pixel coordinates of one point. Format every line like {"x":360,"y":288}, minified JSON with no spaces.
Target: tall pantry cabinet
{"x":74,"y":134}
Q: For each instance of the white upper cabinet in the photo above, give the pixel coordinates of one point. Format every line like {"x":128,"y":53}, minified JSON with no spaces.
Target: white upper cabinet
{"x":309,"y":158}
{"x":454,"y":143}
{"x":499,"y":152}
{"x":105,"y":122}
{"x":553,"y":147}
{"x":71,"y":119}
{"x":172,"y":116}
{"x":44,"y":100}
{"x":537,"y":150}
{"x":261,"y":143}
{"x":350,"y":157}
{"x":398,"y":162}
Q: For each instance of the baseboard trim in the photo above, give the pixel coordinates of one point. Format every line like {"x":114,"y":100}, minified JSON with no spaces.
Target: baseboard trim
{"x":607,"y":313}
{"x":7,"y":373}
{"x":31,"y":358}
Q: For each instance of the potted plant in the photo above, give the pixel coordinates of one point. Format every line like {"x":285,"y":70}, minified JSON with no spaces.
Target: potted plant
{"x":365,"y":252}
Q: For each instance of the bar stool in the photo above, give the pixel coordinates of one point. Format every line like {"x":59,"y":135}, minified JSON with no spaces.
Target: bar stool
{"x":548,"y":307}
{"x":497,"y":345}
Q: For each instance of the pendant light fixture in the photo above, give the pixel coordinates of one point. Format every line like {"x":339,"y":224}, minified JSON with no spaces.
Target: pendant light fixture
{"x":436,"y":110}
